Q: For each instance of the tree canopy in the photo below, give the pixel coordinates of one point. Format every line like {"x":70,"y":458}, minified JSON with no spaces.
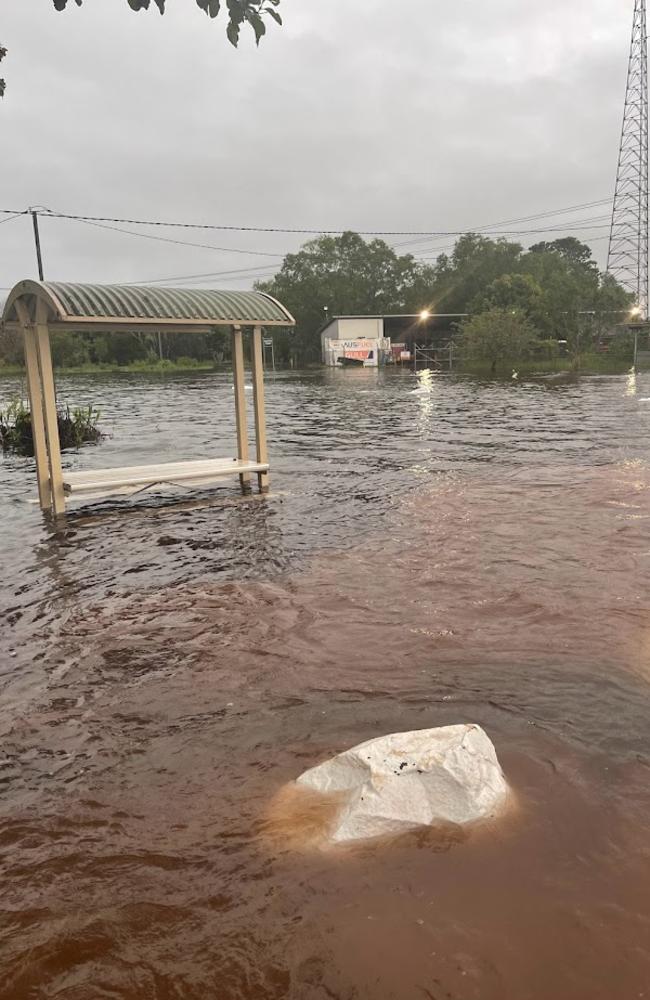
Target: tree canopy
{"x":239,"y":13}
{"x":555,"y":285}
{"x":555,"y":289}
{"x":570,"y":249}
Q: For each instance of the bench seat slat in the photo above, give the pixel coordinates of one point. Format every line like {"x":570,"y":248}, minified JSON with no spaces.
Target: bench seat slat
{"x":107,"y":480}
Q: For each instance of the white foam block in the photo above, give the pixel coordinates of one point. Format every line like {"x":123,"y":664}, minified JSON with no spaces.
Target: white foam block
{"x":408,"y":780}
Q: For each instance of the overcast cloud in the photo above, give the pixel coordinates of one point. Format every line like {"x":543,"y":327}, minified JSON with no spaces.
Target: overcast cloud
{"x":361,"y":114}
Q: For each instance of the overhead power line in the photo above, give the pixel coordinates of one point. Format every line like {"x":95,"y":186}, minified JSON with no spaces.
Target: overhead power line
{"x":11,"y":217}
{"x":242,"y":271}
{"x":436,"y":248}
{"x":586,"y":225}
{"x":530,"y":218}
{"x":592,"y":239}
{"x":579,"y":225}
{"x":287,"y":230}
{"x":185,"y":243}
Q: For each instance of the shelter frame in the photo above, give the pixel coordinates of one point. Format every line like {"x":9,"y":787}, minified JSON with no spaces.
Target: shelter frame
{"x":39,"y":308}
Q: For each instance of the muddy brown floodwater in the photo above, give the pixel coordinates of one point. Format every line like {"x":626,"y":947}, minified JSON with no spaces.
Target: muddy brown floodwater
{"x":480,"y":554}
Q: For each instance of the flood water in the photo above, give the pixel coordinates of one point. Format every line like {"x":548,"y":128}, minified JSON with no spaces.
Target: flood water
{"x":477,"y":554}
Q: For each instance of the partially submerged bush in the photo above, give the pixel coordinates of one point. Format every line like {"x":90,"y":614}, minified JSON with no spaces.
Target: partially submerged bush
{"x":76,"y":427}
{"x":498,"y":337}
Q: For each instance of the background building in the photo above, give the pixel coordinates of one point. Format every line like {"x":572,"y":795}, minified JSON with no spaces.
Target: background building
{"x":355,"y":339}
{"x":375,"y":340}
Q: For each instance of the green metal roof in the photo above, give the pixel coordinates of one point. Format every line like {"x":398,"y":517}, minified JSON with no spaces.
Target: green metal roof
{"x":145,"y":304}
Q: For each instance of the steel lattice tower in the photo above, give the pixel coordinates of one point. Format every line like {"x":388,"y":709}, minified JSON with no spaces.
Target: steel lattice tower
{"x":627,"y":260}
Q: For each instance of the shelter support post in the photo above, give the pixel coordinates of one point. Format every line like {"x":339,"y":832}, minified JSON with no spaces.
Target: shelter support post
{"x":258,"y":401}
{"x":49,"y":409}
{"x":240,"y":402}
{"x":35,"y":392}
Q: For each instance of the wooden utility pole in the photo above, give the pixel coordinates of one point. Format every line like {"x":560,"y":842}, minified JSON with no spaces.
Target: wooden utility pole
{"x":37,"y":240}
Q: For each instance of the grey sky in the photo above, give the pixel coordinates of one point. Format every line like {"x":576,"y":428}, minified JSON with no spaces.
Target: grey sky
{"x":362,"y":114}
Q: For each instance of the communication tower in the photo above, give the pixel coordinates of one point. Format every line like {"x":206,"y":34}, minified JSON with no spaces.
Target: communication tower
{"x":627,"y":259}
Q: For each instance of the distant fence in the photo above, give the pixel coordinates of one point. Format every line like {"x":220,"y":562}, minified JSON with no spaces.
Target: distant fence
{"x":435,"y":357}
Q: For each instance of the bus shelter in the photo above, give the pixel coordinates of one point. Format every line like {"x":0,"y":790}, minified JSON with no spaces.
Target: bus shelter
{"x":40,"y":308}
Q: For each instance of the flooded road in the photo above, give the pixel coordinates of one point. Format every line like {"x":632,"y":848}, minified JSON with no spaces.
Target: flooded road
{"x":477,"y":554}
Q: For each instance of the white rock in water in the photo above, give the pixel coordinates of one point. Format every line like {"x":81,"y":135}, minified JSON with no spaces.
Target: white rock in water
{"x":407,"y":780}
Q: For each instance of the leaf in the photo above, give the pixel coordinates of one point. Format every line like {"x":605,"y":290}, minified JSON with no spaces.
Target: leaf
{"x":62,"y":4}
{"x":239,"y":11}
{"x":257,"y":25}
{"x":236,"y":10}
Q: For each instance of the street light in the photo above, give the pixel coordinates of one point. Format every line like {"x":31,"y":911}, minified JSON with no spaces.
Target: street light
{"x":425,"y":314}
{"x":635,"y":314}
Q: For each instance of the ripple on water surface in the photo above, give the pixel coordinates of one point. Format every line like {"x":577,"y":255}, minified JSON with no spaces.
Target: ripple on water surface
{"x":480,"y":554}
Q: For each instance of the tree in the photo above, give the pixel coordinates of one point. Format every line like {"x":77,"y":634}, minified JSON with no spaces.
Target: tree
{"x":499,"y":337}
{"x":571,"y":249}
{"x":11,"y":346}
{"x":116,"y":348}
{"x":346,"y":275}
{"x":554,"y":283}
{"x":571,"y":281}
{"x":68,"y":349}
{"x":475,"y":263}
{"x":520,"y":292}
{"x":240,"y":12}
{"x":613,"y":302}
{"x":611,"y":305}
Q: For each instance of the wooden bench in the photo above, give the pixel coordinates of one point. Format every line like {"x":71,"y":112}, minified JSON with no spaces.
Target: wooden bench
{"x":90,"y":483}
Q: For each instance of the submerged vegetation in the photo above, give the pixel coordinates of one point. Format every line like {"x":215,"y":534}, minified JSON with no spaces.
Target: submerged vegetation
{"x":495,"y":340}
{"x":499,"y":335}
{"x":76,"y":427}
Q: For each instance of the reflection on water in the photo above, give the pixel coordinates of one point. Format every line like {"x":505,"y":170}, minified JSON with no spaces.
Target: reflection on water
{"x":478,"y":553}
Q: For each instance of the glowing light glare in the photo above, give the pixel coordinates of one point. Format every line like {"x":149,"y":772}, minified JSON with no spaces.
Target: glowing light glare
{"x":425,"y":314}
{"x":635,"y":311}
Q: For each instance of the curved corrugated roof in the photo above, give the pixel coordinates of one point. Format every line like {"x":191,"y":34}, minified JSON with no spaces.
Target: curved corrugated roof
{"x":76,"y":303}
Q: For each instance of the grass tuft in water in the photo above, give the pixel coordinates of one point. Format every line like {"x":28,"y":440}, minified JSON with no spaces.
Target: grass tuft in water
{"x":76,"y":427}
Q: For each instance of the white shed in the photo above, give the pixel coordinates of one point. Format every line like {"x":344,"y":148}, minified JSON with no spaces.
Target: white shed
{"x":358,"y":339}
